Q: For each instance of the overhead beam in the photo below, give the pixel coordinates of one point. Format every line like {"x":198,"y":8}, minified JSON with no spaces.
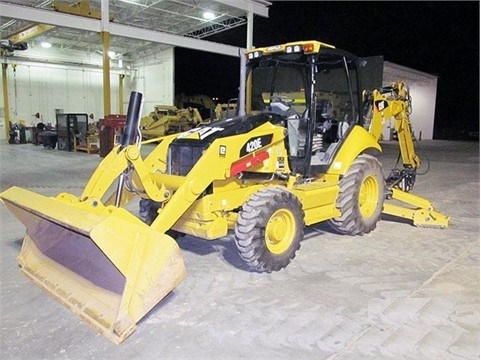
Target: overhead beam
{"x":83,"y":23}
{"x":48,"y":17}
{"x":175,"y":40}
{"x":81,"y":8}
{"x":29,"y":33}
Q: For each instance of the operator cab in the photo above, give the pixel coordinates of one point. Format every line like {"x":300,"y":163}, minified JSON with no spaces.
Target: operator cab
{"x":316,"y":90}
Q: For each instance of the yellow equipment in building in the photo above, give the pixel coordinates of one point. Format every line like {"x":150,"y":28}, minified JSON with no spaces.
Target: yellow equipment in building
{"x":303,"y":157}
{"x":225,"y":110}
{"x":165,"y":120}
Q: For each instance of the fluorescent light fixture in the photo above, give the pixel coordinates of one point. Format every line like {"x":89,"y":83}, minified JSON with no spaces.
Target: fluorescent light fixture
{"x":45,"y":45}
{"x":133,"y":2}
{"x":208,"y":15}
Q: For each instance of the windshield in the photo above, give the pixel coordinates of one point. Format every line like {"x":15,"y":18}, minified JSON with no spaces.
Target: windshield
{"x":282,"y":75}
{"x":316,"y":93}
{"x":287,"y":77}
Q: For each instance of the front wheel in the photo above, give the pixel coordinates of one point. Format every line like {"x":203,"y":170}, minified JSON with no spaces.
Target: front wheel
{"x":269,"y":229}
{"x":148,"y":213}
{"x":361,"y":197}
{"x":148,"y":210}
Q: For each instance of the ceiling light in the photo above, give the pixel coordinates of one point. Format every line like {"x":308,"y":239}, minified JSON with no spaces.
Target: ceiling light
{"x":45,"y":45}
{"x":208,"y":15}
{"x":111,"y":54}
{"x":133,"y":2}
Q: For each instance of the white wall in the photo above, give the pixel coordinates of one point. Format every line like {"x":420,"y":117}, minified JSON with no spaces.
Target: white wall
{"x":154,"y":78}
{"x":39,"y":87}
{"x":42,"y":88}
{"x":423,"y":89}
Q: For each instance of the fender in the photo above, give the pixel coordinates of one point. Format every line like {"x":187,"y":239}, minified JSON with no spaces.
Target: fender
{"x":358,"y":141}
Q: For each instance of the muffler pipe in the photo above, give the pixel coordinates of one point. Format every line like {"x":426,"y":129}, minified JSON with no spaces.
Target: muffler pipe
{"x":132,"y":121}
{"x":130,"y":136}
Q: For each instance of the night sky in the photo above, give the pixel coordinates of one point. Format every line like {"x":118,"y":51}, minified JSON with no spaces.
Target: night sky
{"x":439,"y":38}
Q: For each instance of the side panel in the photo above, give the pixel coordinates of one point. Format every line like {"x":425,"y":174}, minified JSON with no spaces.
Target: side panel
{"x":213,"y":215}
{"x":318,"y":201}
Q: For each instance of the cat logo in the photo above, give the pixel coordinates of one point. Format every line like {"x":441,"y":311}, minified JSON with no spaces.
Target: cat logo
{"x":200,"y":133}
{"x":381,"y":105}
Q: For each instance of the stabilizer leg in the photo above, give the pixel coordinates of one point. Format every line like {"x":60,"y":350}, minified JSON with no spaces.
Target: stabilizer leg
{"x":420,"y":210}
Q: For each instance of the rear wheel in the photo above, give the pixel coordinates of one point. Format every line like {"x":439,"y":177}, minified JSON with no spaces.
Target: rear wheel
{"x":361,"y":197}
{"x":269,"y":229}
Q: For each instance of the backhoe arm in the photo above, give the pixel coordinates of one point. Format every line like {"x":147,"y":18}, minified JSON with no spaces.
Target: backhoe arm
{"x":394,"y":102}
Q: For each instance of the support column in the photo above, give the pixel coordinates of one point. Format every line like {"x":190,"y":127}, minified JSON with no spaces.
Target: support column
{"x":250,"y":30}
{"x":245,"y":97}
{"x":6,"y":106}
{"x":105,"y":36}
{"x":121,"y":94}
{"x":241,"y":101}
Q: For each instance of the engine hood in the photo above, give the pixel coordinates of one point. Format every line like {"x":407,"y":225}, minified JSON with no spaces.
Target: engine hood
{"x":206,"y":134}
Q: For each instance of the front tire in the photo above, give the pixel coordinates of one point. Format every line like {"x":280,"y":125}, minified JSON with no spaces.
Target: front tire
{"x":269,"y":229}
{"x":148,"y":213}
{"x":361,"y":197}
{"x":148,"y":210}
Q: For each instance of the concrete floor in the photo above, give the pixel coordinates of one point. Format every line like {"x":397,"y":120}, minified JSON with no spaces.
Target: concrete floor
{"x":400,"y":292}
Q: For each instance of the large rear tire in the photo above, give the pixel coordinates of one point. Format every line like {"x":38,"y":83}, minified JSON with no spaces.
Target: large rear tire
{"x":269,"y":229}
{"x":361,"y":197}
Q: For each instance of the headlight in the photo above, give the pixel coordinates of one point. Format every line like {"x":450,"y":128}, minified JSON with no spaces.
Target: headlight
{"x":293,"y":49}
{"x":254,"y":55}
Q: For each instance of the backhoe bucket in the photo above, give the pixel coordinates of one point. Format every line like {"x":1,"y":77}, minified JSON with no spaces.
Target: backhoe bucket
{"x":108,"y":267}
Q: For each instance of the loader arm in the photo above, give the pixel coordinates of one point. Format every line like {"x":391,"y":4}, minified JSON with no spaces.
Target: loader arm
{"x":191,"y":187}
{"x":105,"y":174}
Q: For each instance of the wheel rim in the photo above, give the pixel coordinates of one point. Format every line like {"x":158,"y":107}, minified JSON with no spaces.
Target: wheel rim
{"x":368,"y":196}
{"x":280,"y":231}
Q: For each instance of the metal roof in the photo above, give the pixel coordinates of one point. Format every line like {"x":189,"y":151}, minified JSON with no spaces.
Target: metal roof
{"x":138,"y":27}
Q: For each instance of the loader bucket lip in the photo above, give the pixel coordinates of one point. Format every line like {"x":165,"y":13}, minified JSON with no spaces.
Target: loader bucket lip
{"x":109,"y":268}
{"x":39,"y":205}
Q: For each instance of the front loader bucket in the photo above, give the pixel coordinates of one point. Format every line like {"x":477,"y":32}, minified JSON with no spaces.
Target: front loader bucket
{"x":109,"y":267}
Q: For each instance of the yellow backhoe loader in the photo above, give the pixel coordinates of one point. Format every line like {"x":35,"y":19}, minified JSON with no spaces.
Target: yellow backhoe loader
{"x":300,"y":151}
{"x":165,"y":120}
